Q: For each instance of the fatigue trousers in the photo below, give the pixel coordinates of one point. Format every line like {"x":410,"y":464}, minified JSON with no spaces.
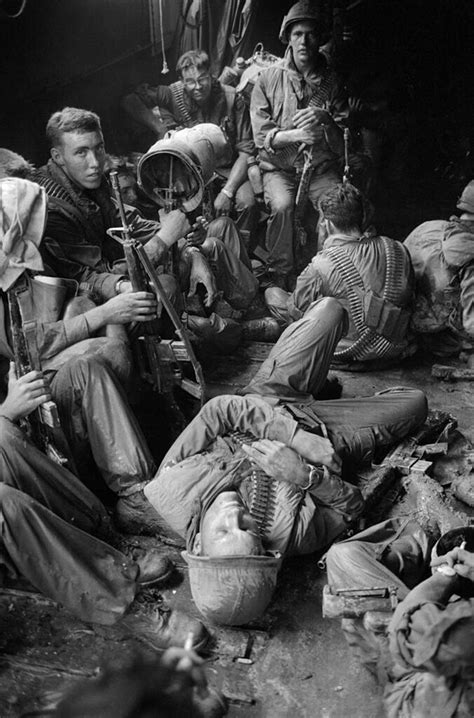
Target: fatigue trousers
{"x":280,"y":192}
{"x":97,"y":419}
{"x":230,"y":263}
{"x":47,"y":518}
{"x":296,"y":369}
{"x":395,"y":553}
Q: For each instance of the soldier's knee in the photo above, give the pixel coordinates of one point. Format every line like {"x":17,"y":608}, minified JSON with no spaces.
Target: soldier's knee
{"x":341,"y":559}
{"x":329,"y":308}
{"x":281,"y":203}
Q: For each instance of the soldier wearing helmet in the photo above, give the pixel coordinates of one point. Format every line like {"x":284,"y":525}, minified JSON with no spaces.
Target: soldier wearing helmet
{"x":255,"y":478}
{"x":442,"y":253}
{"x":296,"y":104}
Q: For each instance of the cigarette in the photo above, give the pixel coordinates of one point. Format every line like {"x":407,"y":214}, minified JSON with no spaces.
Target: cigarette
{"x":463,"y":546}
{"x":188,"y":644}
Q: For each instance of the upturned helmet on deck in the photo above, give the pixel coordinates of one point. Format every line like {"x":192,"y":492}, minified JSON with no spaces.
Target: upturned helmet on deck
{"x":232,"y":590}
{"x":304,"y":10}
{"x":466,"y":200}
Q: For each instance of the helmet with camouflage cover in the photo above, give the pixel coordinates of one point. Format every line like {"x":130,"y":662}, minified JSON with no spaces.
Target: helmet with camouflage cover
{"x":304,"y":10}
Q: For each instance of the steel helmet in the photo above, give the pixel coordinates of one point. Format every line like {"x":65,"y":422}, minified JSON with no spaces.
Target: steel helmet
{"x":466,"y":200}
{"x":303,"y":10}
{"x":232,"y":590}
{"x":198,"y":149}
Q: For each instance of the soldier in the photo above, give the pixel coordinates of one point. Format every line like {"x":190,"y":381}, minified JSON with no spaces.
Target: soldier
{"x":442,"y":253}
{"x":294,"y":104}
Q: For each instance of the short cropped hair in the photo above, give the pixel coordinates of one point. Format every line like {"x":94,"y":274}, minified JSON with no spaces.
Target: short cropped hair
{"x":344,"y":206}
{"x":14,"y":165}
{"x":193,"y":58}
{"x":71,"y":119}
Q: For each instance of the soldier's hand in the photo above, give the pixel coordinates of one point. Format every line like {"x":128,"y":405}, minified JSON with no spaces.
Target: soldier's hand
{"x":24,"y":394}
{"x":222,"y":204}
{"x":316,"y":450}
{"x":189,"y":667}
{"x":278,"y":460}
{"x":198,"y":233}
{"x":355,"y":104}
{"x":174,"y":226}
{"x":130,"y":307}
{"x":308,"y":136}
{"x":311,"y":117}
{"x":459,"y":560}
{"x":201,"y":274}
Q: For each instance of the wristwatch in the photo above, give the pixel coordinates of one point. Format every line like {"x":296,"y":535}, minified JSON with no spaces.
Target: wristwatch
{"x":316,"y":474}
{"x":117,"y":285}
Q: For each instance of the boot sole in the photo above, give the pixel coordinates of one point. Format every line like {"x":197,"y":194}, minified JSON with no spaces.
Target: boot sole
{"x":156,"y":581}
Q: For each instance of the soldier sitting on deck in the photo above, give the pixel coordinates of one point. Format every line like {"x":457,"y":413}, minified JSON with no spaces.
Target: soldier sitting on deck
{"x":195,"y":98}
{"x":57,"y":535}
{"x":372,"y":277}
{"x":442,"y":253}
{"x":256,"y":477}
{"x":431,"y":635}
{"x":85,"y":372}
{"x":80,"y":211}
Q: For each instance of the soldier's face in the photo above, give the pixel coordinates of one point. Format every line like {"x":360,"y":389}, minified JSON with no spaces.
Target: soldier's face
{"x":82,"y":157}
{"x":304,"y":41}
{"x":197,"y":83}
{"x":128,"y":189}
{"x":227,"y":529}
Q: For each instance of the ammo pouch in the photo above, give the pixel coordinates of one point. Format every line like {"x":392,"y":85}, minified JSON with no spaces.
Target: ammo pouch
{"x":385,"y":318}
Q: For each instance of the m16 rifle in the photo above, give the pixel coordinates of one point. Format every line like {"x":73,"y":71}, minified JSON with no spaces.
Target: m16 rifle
{"x":159,"y":360}
{"x":42,"y":425}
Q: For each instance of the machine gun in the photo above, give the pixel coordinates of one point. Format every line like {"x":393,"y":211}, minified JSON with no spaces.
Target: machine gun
{"x":159,"y":360}
{"x":42,"y":425}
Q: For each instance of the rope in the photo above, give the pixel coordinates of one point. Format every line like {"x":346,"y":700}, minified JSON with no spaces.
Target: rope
{"x":165,"y":68}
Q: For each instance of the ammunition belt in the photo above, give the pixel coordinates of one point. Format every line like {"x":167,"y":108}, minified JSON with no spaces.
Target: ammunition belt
{"x":61,"y":198}
{"x":369,"y":341}
{"x":177,"y":90}
{"x":262,"y":489}
{"x":53,"y":189}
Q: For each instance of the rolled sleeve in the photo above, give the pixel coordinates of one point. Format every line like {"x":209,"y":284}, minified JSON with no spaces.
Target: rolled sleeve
{"x":308,"y":289}
{"x":261,"y":113}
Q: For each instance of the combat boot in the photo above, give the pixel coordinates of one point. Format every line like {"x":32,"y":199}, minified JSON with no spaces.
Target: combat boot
{"x":154,"y":567}
{"x":163,"y":627}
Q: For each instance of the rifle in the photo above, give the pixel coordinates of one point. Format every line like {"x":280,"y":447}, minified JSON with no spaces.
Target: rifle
{"x":159,"y":359}
{"x":43,"y":425}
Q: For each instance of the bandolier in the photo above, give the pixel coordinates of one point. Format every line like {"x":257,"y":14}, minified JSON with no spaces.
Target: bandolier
{"x":380,"y":322}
